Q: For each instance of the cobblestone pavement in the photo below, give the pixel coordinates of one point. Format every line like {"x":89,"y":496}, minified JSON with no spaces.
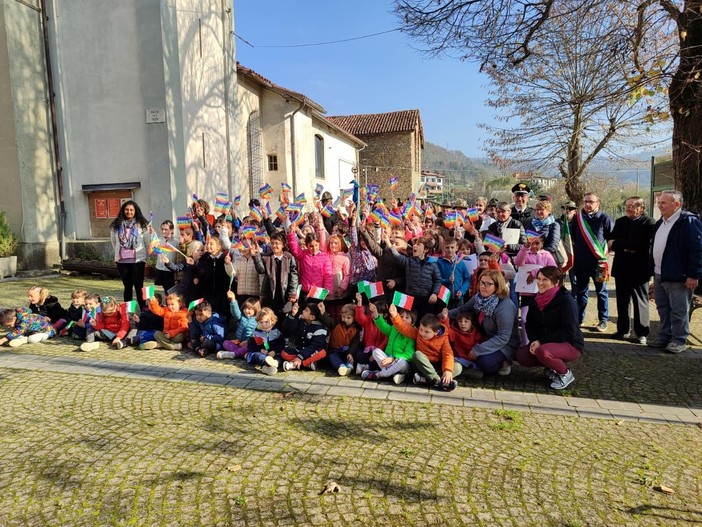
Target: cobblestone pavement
{"x":163,"y":438}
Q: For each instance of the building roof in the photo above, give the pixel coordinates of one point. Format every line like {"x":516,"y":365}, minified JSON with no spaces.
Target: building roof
{"x":380,"y":123}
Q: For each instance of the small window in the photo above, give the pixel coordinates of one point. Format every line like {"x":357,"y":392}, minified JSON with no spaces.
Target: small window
{"x":319,"y":157}
{"x":272,"y":162}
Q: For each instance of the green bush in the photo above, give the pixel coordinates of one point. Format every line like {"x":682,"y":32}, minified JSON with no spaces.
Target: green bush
{"x":8,"y":240}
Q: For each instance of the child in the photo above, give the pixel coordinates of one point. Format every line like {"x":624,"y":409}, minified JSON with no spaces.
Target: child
{"x":189,"y":282}
{"x":314,"y":266}
{"x":144,"y":325}
{"x":246,"y":318}
{"x":394,"y":361}
{"x":25,"y":327}
{"x":206,"y":331}
{"x":372,"y":336}
{"x":432,"y":351}
{"x":75,"y":313}
{"x":454,"y":274}
{"x":213,"y":270}
{"x":265,"y":343}
{"x":42,"y":303}
{"x":164,"y":276}
{"x":82,"y":326}
{"x":344,"y":339}
{"x":279,"y":280}
{"x":109,"y":324}
{"x":175,"y":323}
{"x":309,"y":336}
{"x":463,"y":335}
{"x":531,"y":253}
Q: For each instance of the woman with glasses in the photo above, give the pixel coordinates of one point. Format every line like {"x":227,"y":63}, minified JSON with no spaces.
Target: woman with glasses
{"x":552,"y":329}
{"x":497,"y":317}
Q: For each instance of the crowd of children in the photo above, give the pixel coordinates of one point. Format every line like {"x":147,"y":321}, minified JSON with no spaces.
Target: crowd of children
{"x":298,"y":293}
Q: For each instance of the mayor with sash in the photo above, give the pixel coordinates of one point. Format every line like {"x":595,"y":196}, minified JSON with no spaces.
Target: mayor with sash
{"x":590,"y":229}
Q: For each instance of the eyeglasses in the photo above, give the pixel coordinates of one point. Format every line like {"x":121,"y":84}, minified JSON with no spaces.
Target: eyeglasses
{"x":486,"y":284}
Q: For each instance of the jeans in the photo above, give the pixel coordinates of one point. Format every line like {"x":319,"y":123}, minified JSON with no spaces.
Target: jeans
{"x":673,"y":305}
{"x":582,"y":288}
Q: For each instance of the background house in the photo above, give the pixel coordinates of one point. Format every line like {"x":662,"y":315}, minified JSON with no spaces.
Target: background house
{"x":395,"y":141}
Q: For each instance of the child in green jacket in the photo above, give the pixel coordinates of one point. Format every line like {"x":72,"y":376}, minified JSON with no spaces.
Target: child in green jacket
{"x":394,"y":361}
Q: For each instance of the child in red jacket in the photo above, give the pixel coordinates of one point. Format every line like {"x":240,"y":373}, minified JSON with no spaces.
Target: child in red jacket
{"x":463,"y":336}
{"x":109,"y":324}
{"x":372,"y":336}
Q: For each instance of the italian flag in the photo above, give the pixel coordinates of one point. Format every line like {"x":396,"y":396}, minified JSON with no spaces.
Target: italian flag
{"x":444,"y":295}
{"x":374,"y":289}
{"x":149,"y":291}
{"x":318,"y":293}
{"x":402,"y":300}
{"x":192,"y":305}
{"x":129,"y":307}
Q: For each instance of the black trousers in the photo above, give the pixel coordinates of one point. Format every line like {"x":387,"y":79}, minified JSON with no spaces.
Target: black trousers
{"x":632,"y":293}
{"x":132,"y":275}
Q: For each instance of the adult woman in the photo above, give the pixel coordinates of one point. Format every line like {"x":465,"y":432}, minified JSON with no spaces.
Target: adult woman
{"x":497,"y":316}
{"x":129,"y":237}
{"x":552,"y":328}
{"x":546,"y":225}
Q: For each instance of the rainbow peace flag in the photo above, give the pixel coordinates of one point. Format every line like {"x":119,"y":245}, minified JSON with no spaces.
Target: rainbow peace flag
{"x":256,"y":214}
{"x":395,"y":219}
{"x":295,"y":207}
{"x":266,"y":191}
{"x":300,"y":198}
{"x":402,"y":300}
{"x":327,"y":211}
{"x":532,"y":235}
{"x":346,"y":193}
{"x":450,"y":220}
{"x":444,"y":295}
{"x":153,"y":244}
{"x":493,"y":243}
{"x":222,"y":203}
{"x":165,"y":248}
{"x":237,"y":201}
{"x":473,"y":214}
{"x":299,"y":219}
{"x":280,"y":214}
{"x":184,"y":222}
{"x":262,"y":236}
{"x":286,"y":187}
{"x":318,"y":188}
{"x":248,"y":231}
{"x":394,"y":183}
{"x":318,"y":293}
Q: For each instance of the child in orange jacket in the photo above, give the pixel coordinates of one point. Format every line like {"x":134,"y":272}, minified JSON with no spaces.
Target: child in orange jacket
{"x":175,"y":323}
{"x":433,"y":351}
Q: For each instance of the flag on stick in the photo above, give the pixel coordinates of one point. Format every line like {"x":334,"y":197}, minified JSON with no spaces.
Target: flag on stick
{"x":444,"y":295}
{"x":473,"y":214}
{"x":318,"y":188}
{"x":318,"y":293}
{"x":129,"y":307}
{"x":374,"y":289}
{"x":402,"y":300}
{"x":192,"y":305}
{"x":493,"y":243}
{"x":184,"y":222}
{"x":300,"y":198}
{"x":394,"y":183}
{"x":222,"y":203}
{"x":148,"y":291}
{"x":237,"y":201}
{"x":532,"y":235}
{"x":266,"y":191}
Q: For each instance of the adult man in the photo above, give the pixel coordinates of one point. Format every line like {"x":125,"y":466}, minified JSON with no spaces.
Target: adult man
{"x":334,"y":218}
{"x":521,"y":211}
{"x":631,"y":242}
{"x":590,"y":229}
{"x":568,"y":211}
{"x":677,"y":267}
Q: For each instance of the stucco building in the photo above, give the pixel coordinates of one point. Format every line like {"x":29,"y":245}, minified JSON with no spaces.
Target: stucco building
{"x":395,"y":141}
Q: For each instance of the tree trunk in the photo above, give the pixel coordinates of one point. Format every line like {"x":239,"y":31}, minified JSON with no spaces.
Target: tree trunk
{"x":686,"y":108}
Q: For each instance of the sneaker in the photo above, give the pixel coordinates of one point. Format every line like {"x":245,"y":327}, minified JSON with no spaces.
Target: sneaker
{"x":269,"y":370}
{"x":419,"y":379}
{"x":226,"y":355}
{"x":641,"y":340}
{"x":447,"y":387}
{"x":312,"y":366}
{"x":621,"y":336}
{"x":344,"y":369}
{"x":550,"y":374}
{"x":672,"y":347}
{"x":201,"y":352}
{"x":17,"y":342}
{"x":506,"y":368}
{"x":177,"y":347}
{"x":398,"y":378}
{"x":563,"y":381}
{"x":150,"y":345}
{"x":289,"y":365}
{"x":120,"y":345}
{"x":360,"y":368}
{"x":37,"y":337}
{"x":602,"y":326}
{"x":89,"y":346}
{"x":657,"y":344}
{"x":271,"y":362}
{"x":368,"y":375}
{"x":132,"y":341}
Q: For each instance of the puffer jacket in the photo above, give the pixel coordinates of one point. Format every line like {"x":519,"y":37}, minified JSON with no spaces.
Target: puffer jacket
{"x":399,"y":346}
{"x":51,"y":308}
{"x":212,"y":329}
{"x":422,"y":277}
{"x":245,"y":325}
{"x":314,"y":269}
{"x":174,"y":322}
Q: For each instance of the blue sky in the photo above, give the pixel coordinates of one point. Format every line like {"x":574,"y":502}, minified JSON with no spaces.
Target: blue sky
{"x":379,"y":74}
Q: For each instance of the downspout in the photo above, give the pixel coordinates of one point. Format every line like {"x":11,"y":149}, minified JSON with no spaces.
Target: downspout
{"x":293,"y":168}
{"x":58,"y":169}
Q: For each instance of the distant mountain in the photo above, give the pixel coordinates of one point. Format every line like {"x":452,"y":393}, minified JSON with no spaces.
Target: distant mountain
{"x":455,"y":163}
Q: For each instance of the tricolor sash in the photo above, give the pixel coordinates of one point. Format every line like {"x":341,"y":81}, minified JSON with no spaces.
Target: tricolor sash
{"x":598,"y":250}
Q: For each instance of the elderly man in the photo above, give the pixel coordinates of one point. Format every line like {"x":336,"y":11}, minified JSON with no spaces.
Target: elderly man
{"x":677,"y":268}
{"x":590,"y":230}
{"x":521,"y":211}
{"x":631,"y":242}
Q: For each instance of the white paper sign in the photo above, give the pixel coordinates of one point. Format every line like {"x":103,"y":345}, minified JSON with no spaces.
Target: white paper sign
{"x":524,"y":271}
{"x":510,"y":236}
{"x":471,"y":262}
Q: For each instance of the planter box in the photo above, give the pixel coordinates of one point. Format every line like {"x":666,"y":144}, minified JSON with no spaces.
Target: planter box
{"x":8,"y":266}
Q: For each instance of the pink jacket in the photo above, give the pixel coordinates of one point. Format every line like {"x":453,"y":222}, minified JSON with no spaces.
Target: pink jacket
{"x":341,"y":266}
{"x":526,"y":256}
{"x":314,"y":270}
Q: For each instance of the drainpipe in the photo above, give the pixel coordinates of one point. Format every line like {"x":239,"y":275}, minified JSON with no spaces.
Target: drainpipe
{"x":293,"y":153}
{"x":58,"y":169}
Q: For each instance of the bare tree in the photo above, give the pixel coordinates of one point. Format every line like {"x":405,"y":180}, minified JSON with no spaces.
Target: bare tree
{"x":504,"y":34}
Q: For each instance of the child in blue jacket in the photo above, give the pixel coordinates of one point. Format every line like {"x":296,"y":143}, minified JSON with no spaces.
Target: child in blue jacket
{"x":206,"y":331}
{"x":246,"y":324}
